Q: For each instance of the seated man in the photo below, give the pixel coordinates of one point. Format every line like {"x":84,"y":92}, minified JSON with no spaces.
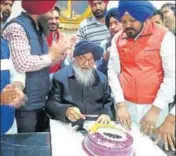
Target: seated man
{"x":80,"y":91}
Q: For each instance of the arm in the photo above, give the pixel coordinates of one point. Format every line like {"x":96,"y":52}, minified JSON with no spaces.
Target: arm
{"x":20,"y":49}
{"x":54,"y":105}
{"x":102,"y":65}
{"x":167,"y":88}
{"x":17,"y":78}
{"x":113,"y":73}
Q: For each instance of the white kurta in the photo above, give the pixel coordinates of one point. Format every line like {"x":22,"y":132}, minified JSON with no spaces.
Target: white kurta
{"x":166,"y":91}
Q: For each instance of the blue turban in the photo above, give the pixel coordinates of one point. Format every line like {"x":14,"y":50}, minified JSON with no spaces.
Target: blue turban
{"x":113,"y":12}
{"x":140,"y":10}
{"x":84,"y":47}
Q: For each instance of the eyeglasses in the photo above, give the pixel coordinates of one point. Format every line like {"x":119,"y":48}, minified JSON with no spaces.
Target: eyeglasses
{"x":83,"y":60}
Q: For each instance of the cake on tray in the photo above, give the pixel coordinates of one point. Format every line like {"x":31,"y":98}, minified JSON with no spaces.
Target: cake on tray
{"x":108,"y":140}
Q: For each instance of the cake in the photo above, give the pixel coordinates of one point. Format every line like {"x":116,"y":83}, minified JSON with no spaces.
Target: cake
{"x":108,"y":140}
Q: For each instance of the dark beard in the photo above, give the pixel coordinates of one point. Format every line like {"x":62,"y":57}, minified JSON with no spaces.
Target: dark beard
{"x":98,"y":15}
{"x":43,"y":25}
{"x":5,"y":17}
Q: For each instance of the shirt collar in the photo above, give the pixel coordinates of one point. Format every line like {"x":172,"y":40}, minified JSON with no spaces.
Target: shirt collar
{"x":96,"y":21}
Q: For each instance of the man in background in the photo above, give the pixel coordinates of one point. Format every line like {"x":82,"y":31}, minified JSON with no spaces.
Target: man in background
{"x":168,"y":10}
{"x":114,"y":25}
{"x":6,"y":9}
{"x":158,"y":17}
{"x":94,"y":28}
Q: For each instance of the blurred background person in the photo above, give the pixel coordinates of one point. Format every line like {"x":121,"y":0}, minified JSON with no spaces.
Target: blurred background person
{"x":158,"y":17}
{"x":6,"y":9}
{"x":112,"y":21}
{"x":94,"y":28}
{"x":168,"y":10}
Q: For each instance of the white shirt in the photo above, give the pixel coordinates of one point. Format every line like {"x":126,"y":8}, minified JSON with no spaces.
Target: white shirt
{"x":7,"y":64}
{"x":166,"y":91}
{"x":173,"y":111}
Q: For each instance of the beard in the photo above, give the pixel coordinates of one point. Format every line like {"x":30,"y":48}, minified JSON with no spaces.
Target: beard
{"x":85,"y":77}
{"x":43,"y":25}
{"x":99,"y":13}
{"x":5,"y":16}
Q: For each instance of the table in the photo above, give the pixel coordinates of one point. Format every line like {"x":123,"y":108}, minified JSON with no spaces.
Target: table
{"x":31,"y":144}
{"x":65,"y":141}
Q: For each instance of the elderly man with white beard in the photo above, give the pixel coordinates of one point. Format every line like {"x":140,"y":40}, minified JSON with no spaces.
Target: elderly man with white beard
{"x":80,"y":91}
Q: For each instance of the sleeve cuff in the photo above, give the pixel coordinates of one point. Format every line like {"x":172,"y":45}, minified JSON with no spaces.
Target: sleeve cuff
{"x":119,"y":99}
{"x":47,"y":59}
{"x":173,"y":111}
{"x":160,"y":104}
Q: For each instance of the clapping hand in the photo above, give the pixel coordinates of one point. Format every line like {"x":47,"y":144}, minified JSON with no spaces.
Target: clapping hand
{"x":13,"y":96}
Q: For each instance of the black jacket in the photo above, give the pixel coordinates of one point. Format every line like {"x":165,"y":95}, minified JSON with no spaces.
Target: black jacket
{"x":67,"y":92}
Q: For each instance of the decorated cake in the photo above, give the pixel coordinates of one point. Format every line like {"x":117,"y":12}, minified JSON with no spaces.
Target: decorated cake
{"x":108,"y":140}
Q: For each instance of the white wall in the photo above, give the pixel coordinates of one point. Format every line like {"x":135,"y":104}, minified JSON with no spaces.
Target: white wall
{"x":16,"y":10}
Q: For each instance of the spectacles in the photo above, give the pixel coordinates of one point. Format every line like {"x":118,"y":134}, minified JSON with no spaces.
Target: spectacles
{"x":83,"y":60}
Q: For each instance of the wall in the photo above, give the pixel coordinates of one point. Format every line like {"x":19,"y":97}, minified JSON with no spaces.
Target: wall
{"x":17,"y":9}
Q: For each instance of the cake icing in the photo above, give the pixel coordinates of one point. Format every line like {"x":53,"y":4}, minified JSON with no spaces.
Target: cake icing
{"x":108,"y":140}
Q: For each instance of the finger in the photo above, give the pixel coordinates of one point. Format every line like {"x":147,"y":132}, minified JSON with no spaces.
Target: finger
{"x":142,"y":129}
{"x":79,"y":115}
{"x":99,"y":120}
{"x":72,"y":118}
{"x":146,"y":130}
{"x":173,"y":138}
{"x":129,"y":123}
{"x":169,"y":139}
{"x":82,"y":116}
{"x":124,"y":123}
{"x":74,"y":114}
{"x":166,"y":143}
{"x":150,"y":130}
{"x":157,"y":139}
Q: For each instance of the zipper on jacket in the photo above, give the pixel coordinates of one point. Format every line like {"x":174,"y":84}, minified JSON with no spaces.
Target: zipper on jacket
{"x":134,"y":59}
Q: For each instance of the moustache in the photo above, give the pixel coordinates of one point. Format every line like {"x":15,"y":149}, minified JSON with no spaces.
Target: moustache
{"x":130,"y":29}
{"x":98,"y":11}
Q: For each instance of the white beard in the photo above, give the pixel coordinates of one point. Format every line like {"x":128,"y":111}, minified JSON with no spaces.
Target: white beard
{"x":84,"y":77}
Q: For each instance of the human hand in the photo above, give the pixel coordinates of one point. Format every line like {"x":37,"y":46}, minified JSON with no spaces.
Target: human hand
{"x":106,"y":56}
{"x":74,"y":114}
{"x":123,"y":115}
{"x":58,"y":49}
{"x":166,"y":132}
{"x":148,"y":122}
{"x":12,"y":96}
{"x":103,"y":119}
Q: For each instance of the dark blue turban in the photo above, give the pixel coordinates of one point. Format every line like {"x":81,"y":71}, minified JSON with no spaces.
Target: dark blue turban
{"x":140,"y":10}
{"x":113,"y":12}
{"x":84,"y":47}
